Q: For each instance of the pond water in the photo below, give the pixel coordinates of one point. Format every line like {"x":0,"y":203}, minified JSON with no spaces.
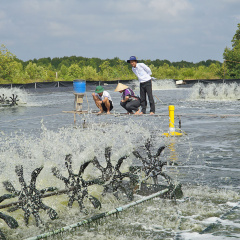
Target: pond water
{"x":207,"y":159}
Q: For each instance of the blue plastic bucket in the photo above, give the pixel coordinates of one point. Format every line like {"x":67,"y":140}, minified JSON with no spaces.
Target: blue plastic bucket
{"x":79,"y":86}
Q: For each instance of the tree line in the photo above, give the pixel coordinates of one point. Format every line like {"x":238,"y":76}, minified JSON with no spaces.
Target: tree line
{"x":14,"y":70}
{"x":232,"y":56}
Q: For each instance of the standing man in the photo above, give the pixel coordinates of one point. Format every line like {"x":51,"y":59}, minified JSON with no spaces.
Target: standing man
{"x":143,"y":72}
{"x":102,"y":100}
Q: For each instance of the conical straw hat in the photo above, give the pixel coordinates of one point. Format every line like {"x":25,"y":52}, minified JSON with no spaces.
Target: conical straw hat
{"x":120,"y":87}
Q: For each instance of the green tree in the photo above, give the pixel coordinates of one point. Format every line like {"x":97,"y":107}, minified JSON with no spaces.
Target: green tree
{"x":89,"y":73}
{"x":186,"y":73}
{"x":74,"y":71}
{"x":164,"y":72}
{"x":63,"y":71}
{"x":105,"y":70}
{"x":215,"y":70}
{"x":121,"y":70}
{"x":55,"y":62}
{"x":9,"y":66}
{"x":232,"y":56}
{"x":236,"y":37}
{"x":35,"y":72}
{"x":43,"y":61}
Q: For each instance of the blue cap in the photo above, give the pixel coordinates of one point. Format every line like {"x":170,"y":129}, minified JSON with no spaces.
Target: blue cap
{"x":132,"y":58}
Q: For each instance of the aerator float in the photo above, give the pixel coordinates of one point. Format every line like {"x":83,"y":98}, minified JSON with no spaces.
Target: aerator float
{"x":134,"y":181}
{"x":9,"y":102}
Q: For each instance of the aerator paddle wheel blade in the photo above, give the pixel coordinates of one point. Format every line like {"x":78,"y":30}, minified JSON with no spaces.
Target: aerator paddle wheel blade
{"x":115,"y":180}
{"x":76,"y":186}
{"x":152,"y":166}
{"x":29,"y":198}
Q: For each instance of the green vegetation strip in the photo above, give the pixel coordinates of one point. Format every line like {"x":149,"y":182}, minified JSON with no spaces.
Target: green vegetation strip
{"x":97,"y":217}
{"x":14,"y":70}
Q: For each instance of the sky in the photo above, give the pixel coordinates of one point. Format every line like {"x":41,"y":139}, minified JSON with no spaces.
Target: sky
{"x":176,"y":30}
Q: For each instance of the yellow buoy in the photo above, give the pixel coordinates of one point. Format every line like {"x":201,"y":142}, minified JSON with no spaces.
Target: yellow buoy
{"x":172,"y":131}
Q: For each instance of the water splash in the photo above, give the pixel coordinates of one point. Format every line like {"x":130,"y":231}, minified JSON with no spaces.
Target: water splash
{"x":48,"y":150}
{"x":156,"y":219}
{"x":157,"y":84}
{"x":163,"y":84}
{"x":22,"y":94}
{"x":159,"y":219}
{"x":51,"y":147}
{"x":220,"y":92}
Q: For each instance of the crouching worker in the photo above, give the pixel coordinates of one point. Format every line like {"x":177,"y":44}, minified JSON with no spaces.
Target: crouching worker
{"x":129,"y":101}
{"x":102,"y":100}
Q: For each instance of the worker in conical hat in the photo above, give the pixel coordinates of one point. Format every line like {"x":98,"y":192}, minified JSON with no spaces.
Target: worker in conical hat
{"x":120,"y":87}
{"x":129,"y":101}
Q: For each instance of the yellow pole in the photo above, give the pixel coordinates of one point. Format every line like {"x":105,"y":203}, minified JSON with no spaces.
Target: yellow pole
{"x":171,"y":132}
{"x":171,"y":109}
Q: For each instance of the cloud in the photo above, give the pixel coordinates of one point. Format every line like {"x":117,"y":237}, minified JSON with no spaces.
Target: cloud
{"x":170,"y":8}
{"x":150,"y":9}
{"x":229,"y":1}
{"x":119,"y":36}
{"x":2,"y":15}
{"x":57,"y":29}
{"x":172,"y":29}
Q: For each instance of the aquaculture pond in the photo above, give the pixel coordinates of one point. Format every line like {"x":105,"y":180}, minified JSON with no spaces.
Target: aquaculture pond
{"x":41,"y":144}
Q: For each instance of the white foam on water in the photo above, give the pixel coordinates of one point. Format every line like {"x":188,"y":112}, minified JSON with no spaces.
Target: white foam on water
{"x":31,"y":151}
{"x":197,"y":236}
{"x":163,"y":218}
{"x":155,"y":219}
{"x":163,"y":84}
{"x":49,"y":150}
{"x":22,"y":95}
{"x":218,"y":92}
{"x":222,"y":222}
{"x":158,"y":84}
{"x":51,"y":99}
{"x":231,"y":204}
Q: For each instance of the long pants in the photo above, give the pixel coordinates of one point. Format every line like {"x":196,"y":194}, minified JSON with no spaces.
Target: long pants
{"x":131,"y":105}
{"x":146,"y":89}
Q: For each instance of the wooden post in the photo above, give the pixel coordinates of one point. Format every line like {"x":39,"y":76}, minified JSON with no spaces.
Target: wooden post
{"x":78,"y":101}
{"x":74,"y":117}
{"x":78,"y":104}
